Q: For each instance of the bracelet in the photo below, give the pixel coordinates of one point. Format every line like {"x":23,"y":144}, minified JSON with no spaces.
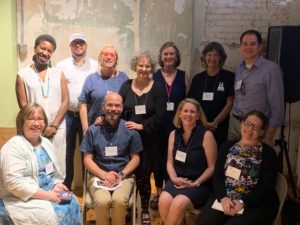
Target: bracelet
{"x":55,"y":127}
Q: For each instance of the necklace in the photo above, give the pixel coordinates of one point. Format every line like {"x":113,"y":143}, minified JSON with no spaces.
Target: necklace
{"x":45,"y":92}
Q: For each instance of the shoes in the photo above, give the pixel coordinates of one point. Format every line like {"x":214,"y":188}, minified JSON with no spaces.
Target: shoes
{"x":154,"y":202}
{"x":145,"y":219}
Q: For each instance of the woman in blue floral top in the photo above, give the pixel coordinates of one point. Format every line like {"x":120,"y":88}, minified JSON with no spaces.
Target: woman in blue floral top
{"x":244,"y":179}
{"x":30,"y":178}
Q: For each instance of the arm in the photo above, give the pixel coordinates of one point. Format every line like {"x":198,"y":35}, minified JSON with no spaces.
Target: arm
{"x":187,"y":84}
{"x":210,"y":149}
{"x":132,"y":164}
{"x":21,"y":92}
{"x":83,"y":116}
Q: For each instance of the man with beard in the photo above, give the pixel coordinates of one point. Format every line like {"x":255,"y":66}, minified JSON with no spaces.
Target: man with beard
{"x":76,"y":68}
{"x":111,"y":154}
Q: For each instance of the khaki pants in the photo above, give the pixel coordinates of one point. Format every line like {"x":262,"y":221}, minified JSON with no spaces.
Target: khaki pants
{"x":111,"y":204}
{"x":234,"y":130}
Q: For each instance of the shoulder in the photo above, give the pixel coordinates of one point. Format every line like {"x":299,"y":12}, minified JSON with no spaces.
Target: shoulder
{"x":26,"y":71}
{"x":157,"y":73}
{"x":93,"y":62}
{"x":199,"y":76}
{"x":122,"y":75}
{"x":268,"y":150}
{"x":226,"y":73}
{"x":64,"y":62}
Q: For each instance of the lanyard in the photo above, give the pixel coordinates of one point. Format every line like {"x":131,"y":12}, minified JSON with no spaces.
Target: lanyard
{"x":169,"y":87}
{"x":216,"y":77}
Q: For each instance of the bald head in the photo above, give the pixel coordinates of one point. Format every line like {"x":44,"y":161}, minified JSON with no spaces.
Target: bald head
{"x":112,"y":107}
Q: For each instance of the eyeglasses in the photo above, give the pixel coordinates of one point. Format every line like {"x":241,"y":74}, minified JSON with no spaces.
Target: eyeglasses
{"x":33,"y":120}
{"x":77,"y":43}
{"x":253,"y":126}
{"x":111,"y":54}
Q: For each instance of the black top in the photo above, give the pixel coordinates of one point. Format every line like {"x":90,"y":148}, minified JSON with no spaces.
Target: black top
{"x":264,"y":193}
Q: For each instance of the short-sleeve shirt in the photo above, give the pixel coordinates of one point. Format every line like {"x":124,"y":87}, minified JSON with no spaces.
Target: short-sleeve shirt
{"x":94,"y":90}
{"x":99,"y":137}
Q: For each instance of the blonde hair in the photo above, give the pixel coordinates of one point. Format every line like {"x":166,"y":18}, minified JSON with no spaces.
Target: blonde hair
{"x":108,"y":46}
{"x":25,"y":112}
{"x":202,"y":118}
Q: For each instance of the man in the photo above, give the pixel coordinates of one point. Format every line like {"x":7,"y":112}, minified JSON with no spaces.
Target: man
{"x":258,"y":86}
{"x":76,"y":69}
{"x":111,"y":154}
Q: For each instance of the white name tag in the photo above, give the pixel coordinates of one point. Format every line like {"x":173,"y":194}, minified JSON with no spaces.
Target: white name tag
{"x":109,"y":92}
{"x":111,"y":151}
{"x":238,"y":85}
{"x":180,"y":156}
{"x":140,"y":109}
{"x":233,"y":172}
{"x":170,"y":106}
{"x":49,"y":168}
{"x":208,"y":96}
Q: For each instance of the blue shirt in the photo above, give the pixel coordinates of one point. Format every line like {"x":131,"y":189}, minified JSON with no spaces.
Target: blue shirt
{"x":99,"y":137}
{"x":261,"y":89}
{"x":94,"y":90}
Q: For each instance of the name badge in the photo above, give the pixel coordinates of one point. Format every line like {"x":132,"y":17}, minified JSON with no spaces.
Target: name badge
{"x":140,"y":109}
{"x":111,"y":151}
{"x":180,"y":156}
{"x":49,"y":168}
{"x":107,"y":92}
{"x":233,"y":172}
{"x":208,"y":96}
{"x":170,"y":106}
{"x":238,"y":85}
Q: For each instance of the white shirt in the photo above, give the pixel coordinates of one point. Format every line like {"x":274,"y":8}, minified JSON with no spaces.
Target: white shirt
{"x":75,"y":76}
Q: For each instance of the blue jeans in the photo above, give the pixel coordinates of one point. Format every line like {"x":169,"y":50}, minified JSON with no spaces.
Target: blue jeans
{"x":74,"y":128}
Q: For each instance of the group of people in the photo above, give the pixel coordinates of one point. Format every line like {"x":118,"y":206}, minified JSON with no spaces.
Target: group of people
{"x":156,"y":122}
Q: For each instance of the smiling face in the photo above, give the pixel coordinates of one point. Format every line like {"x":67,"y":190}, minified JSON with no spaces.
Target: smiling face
{"x":34,"y":125}
{"x":251,"y":129}
{"x":78,"y":48}
{"x":112,"y":107}
{"x":168,"y":56}
{"x":43,"y":52}
{"x":189,"y":114}
{"x":250,"y":48}
{"x":143,"y":68}
{"x":108,"y":57}
{"x":213,"y":59}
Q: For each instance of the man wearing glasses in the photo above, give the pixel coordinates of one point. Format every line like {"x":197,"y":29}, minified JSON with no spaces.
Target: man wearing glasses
{"x":76,"y":68}
{"x":258,"y":86}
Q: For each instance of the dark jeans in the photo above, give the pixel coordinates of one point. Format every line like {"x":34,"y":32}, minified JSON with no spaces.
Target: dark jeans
{"x":74,"y":128}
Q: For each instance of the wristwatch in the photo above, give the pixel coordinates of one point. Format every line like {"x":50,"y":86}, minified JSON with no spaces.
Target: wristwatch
{"x":197,"y":184}
{"x":242,"y":202}
{"x":122,"y":174}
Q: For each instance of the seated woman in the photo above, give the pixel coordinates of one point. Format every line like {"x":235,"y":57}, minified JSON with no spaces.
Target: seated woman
{"x":30,"y":180}
{"x":244,"y":179}
{"x":192,"y":153}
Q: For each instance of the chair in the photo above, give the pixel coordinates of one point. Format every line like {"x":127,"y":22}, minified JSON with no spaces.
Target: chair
{"x":88,"y":202}
{"x":281,"y":189}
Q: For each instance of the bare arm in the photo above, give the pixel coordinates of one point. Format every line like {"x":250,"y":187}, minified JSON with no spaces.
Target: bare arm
{"x":210,"y":149}
{"x":132,"y":164}
{"x":21,"y":92}
{"x":187,"y":84}
{"x":269,"y":136}
{"x":83,"y":116}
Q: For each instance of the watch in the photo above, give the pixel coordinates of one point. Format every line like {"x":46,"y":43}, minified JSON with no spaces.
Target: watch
{"x":122,"y":174}
{"x":242,"y":202}
{"x":197,"y":184}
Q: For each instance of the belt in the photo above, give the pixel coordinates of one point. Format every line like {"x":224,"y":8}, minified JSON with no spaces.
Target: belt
{"x":238,"y":117}
{"x":73,"y":113}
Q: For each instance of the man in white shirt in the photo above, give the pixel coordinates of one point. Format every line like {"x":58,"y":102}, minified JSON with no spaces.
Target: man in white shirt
{"x":76,"y":68}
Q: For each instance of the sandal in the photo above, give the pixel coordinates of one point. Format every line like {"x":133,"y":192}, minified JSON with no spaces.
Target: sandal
{"x":154,"y":202}
{"x":145,"y":218}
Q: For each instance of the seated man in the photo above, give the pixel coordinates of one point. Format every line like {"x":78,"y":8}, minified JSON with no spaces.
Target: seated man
{"x":111,"y":154}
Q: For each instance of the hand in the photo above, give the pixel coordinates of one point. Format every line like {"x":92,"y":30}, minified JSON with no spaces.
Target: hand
{"x":228,"y":206}
{"x":99,"y":120}
{"x":181,"y":183}
{"x":133,"y":126}
{"x":54,"y":197}
{"x":59,"y":187}
{"x":238,"y":206}
{"x":212,"y":126}
{"x":49,"y":132}
{"x":111,"y":178}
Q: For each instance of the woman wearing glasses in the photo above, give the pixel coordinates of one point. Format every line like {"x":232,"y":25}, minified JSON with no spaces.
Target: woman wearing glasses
{"x":98,"y":84}
{"x":244,"y":179}
{"x":42,"y":84}
{"x":30,"y":178}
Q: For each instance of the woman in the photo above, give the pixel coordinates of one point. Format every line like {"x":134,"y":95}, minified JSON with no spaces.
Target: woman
{"x":192,"y":154}
{"x":213,"y":88}
{"x":176,"y":84}
{"x":144,"y":109}
{"x":30,"y":178}
{"x":98,"y":84}
{"x":39,"y":83}
{"x":244,"y":179}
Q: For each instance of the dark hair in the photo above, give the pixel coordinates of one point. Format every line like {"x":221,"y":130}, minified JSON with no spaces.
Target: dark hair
{"x":252,"y":32}
{"x":177,"y":53}
{"x":45,"y":37}
{"x":259,"y":115}
{"x":217,"y":47}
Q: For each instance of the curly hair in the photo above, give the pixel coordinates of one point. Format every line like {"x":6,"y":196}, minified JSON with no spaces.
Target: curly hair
{"x":144,"y":55}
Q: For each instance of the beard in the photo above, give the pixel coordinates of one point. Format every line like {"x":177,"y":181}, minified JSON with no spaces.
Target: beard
{"x":112,"y":116}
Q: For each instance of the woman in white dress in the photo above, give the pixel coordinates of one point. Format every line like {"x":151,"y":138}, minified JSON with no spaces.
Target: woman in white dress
{"x":42,"y":84}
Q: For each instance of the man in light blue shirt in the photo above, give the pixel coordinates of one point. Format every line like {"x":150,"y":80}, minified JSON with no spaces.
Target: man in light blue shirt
{"x":258,"y":86}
